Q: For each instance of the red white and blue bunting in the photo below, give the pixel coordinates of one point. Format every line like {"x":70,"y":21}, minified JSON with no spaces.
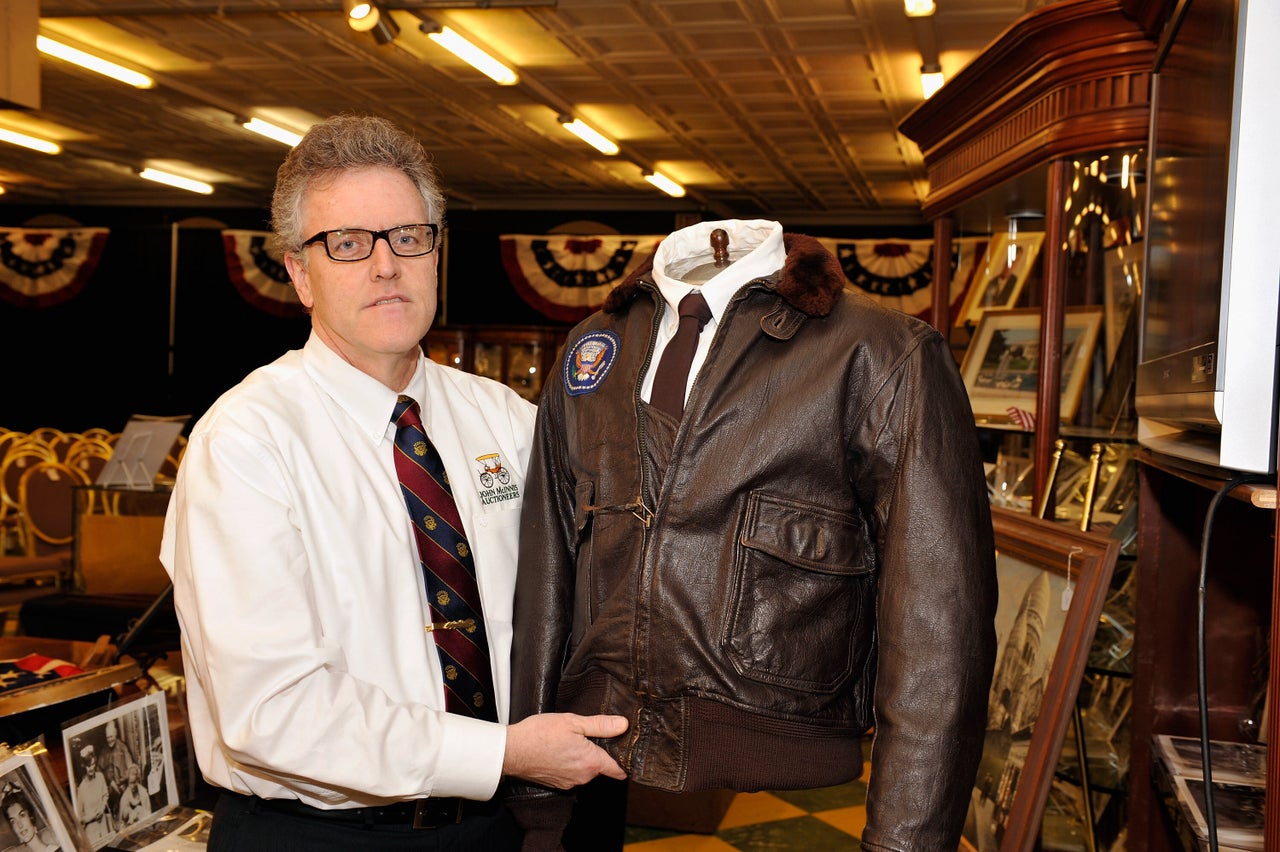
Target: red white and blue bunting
{"x":41,"y":267}
{"x":899,"y":273}
{"x":257,"y":270}
{"x":567,"y":277}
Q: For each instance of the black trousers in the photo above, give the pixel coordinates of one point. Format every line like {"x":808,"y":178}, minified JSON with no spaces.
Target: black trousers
{"x":246,"y":824}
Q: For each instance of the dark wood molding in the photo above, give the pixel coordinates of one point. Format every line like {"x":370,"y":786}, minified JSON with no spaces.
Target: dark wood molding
{"x":1067,"y":77}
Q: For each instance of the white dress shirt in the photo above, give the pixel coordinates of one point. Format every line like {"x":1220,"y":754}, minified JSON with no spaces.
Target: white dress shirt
{"x":755,"y":249}
{"x":299,"y":592}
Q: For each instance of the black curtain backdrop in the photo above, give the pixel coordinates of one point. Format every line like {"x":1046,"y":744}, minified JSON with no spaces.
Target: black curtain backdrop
{"x":104,"y":355}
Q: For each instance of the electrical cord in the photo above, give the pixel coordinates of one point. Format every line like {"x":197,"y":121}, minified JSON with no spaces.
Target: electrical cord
{"x":1210,"y":816}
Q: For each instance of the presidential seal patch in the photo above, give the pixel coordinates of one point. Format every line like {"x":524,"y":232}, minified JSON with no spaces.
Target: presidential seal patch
{"x":589,"y":360}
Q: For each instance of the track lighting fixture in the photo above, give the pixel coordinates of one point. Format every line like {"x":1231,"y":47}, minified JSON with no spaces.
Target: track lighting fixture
{"x":369,"y":16}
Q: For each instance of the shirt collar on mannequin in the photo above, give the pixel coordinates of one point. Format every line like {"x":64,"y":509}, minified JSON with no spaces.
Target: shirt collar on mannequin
{"x":761,"y":239}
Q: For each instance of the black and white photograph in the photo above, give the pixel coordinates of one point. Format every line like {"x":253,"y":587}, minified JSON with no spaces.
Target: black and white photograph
{"x":1231,"y":763}
{"x":120,"y":767}
{"x":32,"y":822}
{"x":1237,"y":811}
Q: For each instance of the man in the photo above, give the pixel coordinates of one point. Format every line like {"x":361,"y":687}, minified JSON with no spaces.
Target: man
{"x":92,"y":799}
{"x":115,"y":762}
{"x":317,"y":698}
{"x":762,"y":563}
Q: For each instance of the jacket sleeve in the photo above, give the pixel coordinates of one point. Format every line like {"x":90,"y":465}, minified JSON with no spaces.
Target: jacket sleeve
{"x":543,"y":606}
{"x":936,"y":601}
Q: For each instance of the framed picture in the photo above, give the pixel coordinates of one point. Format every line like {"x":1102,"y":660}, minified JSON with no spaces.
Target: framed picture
{"x":1053,"y":581}
{"x":1123,"y":283}
{"x":1002,"y":364}
{"x":120,"y":767}
{"x":1000,"y":275}
{"x":32,"y":819}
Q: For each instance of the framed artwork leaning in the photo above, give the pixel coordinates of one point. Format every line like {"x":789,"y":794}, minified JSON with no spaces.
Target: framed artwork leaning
{"x":120,"y":767}
{"x":1001,"y":275}
{"x":33,"y":819}
{"x":1053,"y":582}
{"x":1001,"y":367}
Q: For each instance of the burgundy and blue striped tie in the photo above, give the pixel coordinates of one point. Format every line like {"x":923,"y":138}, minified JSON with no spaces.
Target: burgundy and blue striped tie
{"x":447,"y":566}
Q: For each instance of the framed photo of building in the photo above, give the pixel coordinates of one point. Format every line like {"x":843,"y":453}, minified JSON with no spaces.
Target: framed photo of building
{"x":1000,"y":276}
{"x":120,"y":767}
{"x":1053,"y":581}
{"x":1001,"y":367}
{"x":32,"y":817}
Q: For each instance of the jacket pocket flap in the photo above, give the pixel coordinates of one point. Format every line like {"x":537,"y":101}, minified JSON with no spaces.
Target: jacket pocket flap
{"x":804,"y":534}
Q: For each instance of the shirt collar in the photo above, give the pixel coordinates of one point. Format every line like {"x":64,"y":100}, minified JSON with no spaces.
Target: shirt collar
{"x":760,"y":239}
{"x":366,"y":400}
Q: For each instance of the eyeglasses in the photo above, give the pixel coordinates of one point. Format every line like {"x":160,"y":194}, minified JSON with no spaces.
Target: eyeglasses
{"x":347,"y":245}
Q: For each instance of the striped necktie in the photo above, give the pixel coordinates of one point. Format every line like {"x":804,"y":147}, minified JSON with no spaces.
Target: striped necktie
{"x":447,"y":566}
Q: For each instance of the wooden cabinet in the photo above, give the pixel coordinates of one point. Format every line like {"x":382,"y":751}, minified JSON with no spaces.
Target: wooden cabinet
{"x":1036,"y":149}
{"x":1038,"y":145}
{"x":517,"y":356}
{"x":1240,"y":610}
{"x":1018,"y":143}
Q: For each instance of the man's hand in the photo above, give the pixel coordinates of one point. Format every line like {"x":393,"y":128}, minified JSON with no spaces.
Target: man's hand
{"x":552,"y":749}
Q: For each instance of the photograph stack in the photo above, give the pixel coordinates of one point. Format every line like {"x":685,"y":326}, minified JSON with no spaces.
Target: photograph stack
{"x":1238,"y":780}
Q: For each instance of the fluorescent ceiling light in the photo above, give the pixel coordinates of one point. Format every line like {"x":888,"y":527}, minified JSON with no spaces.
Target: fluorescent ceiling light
{"x":271,"y":131}
{"x":472,"y":55}
{"x":177,"y":181}
{"x":919,"y":8}
{"x":44,"y":146}
{"x":93,"y":63}
{"x":589,"y":135}
{"x":665,"y":184}
{"x":930,"y":82}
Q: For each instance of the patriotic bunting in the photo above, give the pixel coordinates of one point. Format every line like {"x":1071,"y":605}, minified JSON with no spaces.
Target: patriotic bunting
{"x":42,"y":267}
{"x":257,"y":270}
{"x":567,"y":277}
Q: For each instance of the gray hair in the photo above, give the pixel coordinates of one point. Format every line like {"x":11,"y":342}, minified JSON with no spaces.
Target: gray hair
{"x":348,"y":142}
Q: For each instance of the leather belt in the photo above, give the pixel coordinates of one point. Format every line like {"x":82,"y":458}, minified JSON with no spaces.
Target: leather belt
{"x":418,"y":813}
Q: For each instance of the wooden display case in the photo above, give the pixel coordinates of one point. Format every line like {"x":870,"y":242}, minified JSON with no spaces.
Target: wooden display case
{"x":1038,"y":145}
{"x":517,"y":356}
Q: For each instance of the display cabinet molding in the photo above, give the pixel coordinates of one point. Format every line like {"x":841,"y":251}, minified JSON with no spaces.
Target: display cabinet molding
{"x":1066,"y":77}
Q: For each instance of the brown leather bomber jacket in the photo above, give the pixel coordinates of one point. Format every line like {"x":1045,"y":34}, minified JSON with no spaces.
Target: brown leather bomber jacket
{"x":817,"y":562}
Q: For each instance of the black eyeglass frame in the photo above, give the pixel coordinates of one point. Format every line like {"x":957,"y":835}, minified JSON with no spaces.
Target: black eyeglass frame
{"x":322,"y":237}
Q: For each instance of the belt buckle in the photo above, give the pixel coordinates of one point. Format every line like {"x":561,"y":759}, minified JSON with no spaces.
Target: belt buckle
{"x":419,"y":815}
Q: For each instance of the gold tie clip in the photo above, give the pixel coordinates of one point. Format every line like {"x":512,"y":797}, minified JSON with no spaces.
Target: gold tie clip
{"x":468,"y":624}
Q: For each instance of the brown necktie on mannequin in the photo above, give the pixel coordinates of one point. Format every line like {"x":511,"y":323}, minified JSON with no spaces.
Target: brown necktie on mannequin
{"x":673,"y":370}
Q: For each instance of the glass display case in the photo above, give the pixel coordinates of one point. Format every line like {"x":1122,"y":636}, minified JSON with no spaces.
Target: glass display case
{"x":517,"y":356}
{"x":1038,"y":147}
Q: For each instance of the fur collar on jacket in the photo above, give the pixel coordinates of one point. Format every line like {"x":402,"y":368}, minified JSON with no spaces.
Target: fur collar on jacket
{"x":811,"y":280}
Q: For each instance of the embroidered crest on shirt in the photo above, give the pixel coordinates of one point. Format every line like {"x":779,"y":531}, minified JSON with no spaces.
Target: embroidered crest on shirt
{"x":589,"y":360}
{"x":495,"y":480}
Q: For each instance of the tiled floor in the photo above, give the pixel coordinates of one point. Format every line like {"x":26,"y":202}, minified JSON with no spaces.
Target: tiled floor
{"x":828,"y":819}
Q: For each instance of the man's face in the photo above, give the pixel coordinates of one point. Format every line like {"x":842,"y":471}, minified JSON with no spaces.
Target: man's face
{"x":372,"y":311}
{"x":111,"y":734}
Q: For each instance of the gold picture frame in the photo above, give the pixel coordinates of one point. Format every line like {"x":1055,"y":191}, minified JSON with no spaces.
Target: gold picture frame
{"x":1001,"y":367}
{"x":1000,"y":276}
